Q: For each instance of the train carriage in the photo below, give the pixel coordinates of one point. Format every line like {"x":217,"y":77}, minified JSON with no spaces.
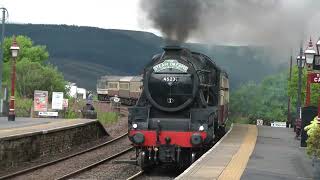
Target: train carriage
{"x":127,"y":88}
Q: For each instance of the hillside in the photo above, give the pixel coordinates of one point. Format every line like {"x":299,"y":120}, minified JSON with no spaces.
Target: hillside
{"x":85,"y":53}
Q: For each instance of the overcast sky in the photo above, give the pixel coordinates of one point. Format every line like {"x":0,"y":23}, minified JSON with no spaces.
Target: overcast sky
{"x":108,"y":14}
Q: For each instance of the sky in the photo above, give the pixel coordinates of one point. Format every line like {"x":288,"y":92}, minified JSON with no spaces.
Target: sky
{"x":232,"y":22}
{"x":108,"y":14}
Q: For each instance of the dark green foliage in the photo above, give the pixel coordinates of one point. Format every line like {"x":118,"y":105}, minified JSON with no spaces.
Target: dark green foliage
{"x":293,"y":89}
{"x":267,"y":100}
{"x":85,"y":53}
{"x":34,"y":76}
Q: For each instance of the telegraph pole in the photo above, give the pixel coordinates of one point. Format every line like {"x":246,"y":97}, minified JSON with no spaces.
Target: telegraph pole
{"x":289,"y":98}
{"x":4,"y":11}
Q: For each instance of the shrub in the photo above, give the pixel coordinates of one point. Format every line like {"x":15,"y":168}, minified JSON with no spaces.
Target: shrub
{"x":107,"y":117}
{"x":23,"y":107}
{"x":313,"y":142}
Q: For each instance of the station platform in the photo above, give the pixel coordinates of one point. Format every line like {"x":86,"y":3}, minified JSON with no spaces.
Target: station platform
{"x":27,"y":126}
{"x":29,"y":139}
{"x":249,"y":152}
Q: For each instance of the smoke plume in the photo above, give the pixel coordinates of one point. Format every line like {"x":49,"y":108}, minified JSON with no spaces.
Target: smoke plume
{"x":279,"y":24}
{"x":176,"y":19}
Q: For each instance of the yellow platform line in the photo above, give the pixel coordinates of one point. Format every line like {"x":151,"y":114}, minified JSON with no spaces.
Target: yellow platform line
{"x":238,"y":163}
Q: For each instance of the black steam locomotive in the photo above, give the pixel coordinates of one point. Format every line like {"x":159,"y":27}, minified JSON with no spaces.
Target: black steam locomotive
{"x":182,"y":109}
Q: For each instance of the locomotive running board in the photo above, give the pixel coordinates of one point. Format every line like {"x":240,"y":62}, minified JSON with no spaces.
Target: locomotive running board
{"x":127,"y":161}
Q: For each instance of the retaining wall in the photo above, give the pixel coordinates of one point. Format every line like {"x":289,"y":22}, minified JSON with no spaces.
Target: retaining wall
{"x":32,"y":146}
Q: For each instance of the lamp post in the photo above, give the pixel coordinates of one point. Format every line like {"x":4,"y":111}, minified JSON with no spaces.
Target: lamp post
{"x":301,"y":59}
{"x":14,"y":52}
{"x":309,"y":53}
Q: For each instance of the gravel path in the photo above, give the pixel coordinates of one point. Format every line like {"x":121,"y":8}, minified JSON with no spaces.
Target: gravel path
{"x":61,"y":168}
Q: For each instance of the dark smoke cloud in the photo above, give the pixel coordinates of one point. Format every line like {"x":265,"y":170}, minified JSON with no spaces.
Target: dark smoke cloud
{"x":176,"y":19}
{"x":279,"y":24}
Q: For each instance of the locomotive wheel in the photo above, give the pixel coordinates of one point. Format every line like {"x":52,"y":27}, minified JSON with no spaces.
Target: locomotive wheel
{"x":221,"y":131}
{"x":142,"y":160}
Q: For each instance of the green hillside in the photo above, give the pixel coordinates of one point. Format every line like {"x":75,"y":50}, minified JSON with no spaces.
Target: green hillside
{"x":85,"y":53}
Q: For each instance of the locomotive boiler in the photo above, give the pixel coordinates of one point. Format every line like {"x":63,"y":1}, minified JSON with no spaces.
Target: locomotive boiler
{"x":182,"y":109}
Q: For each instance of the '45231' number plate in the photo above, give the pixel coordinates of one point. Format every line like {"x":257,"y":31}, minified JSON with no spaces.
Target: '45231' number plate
{"x":170,"y":79}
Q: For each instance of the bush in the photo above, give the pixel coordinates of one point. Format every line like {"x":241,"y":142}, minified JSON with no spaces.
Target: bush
{"x":107,"y":117}
{"x":71,"y":114}
{"x":313,"y":142}
{"x":23,"y":107}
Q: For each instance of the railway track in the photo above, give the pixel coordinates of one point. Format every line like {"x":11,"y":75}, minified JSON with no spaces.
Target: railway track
{"x":74,"y":173}
{"x":135,"y":176}
{"x":34,"y":168}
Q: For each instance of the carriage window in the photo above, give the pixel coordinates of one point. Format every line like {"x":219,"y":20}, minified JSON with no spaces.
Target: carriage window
{"x":112,"y":85}
{"x":124,"y":86}
{"x":102,"y":84}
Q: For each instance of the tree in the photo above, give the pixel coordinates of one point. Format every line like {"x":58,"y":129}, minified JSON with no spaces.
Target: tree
{"x":34,"y":76}
{"x":293,"y":89}
{"x":28,"y":51}
{"x":267,"y":100}
{"x":32,"y":72}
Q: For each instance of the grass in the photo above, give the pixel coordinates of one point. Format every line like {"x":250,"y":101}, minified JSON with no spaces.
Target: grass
{"x":107,"y":117}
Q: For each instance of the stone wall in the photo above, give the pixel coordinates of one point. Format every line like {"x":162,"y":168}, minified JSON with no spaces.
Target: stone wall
{"x":25,"y":148}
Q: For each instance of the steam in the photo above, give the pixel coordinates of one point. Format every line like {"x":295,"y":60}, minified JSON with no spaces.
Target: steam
{"x":279,"y":24}
{"x":176,"y":19}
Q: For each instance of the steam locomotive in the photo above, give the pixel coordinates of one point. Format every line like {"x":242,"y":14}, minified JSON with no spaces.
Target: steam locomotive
{"x":182,"y":109}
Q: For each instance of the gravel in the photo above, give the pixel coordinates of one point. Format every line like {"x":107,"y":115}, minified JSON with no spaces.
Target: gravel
{"x":161,"y":173}
{"x":112,"y":170}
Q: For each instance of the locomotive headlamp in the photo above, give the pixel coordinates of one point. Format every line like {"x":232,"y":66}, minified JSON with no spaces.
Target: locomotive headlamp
{"x":196,"y":139}
{"x":138,"y":138}
{"x":134,"y":126}
{"x":201,"y":128}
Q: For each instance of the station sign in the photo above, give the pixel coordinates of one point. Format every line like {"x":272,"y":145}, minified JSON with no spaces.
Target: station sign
{"x":48,"y":114}
{"x":314,"y":77}
{"x":259,"y":122}
{"x":57,"y":100}
{"x":65,"y":103}
{"x":40,"y":100}
{"x":279,"y":124}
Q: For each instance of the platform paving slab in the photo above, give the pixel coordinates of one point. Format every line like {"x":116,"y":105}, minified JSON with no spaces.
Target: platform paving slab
{"x":278,"y":156}
{"x":213,"y":163}
{"x":24,"y":126}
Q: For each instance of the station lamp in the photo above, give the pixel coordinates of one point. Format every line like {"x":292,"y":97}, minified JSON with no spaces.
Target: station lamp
{"x":301,"y":61}
{"x":318,"y":46}
{"x":309,"y":53}
{"x":14,"y":49}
